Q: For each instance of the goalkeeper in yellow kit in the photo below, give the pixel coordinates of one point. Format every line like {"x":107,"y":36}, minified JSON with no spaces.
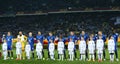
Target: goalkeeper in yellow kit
{"x":23,"y":40}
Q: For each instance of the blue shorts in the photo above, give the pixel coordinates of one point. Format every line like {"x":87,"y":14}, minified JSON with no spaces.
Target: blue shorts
{"x":9,"y":48}
{"x":32,"y":48}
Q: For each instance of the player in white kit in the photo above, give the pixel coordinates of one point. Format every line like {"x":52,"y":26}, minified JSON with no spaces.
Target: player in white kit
{"x":82,"y":48}
{"x":27,"y":50}
{"x":100,"y":47}
{"x":4,"y":49}
{"x":61,"y":49}
{"x":18,"y":50}
{"x":71,"y":49}
{"x":111,"y":48}
{"x":39,"y":48}
{"x":51,"y":50}
{"x":91,"y":48}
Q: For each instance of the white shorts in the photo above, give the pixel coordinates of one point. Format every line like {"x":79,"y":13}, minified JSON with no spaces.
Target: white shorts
{"x":39,"y":53}
{"x":82,"y":51}
{"x":28,"y":53}
{"x":51,"y":53}
{"x":71,"y":52}
{"x":18,"y":51}
{"x":100,"y":51}
{"x":5,"y":53}
{"x":60,"y":52}
{"x":111,"y":51}
{"x":91,"y":51}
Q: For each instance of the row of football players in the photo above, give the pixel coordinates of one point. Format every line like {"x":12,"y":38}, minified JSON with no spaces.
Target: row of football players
{"x":71,"y":48}
{"x":40,"y":37}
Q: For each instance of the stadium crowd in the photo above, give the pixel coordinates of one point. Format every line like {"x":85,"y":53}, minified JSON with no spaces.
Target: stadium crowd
{"x":14,"y":7}
{"x":59,"y":23}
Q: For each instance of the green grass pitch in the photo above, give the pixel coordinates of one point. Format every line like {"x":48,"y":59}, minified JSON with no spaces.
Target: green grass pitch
{"x":34,"y":61}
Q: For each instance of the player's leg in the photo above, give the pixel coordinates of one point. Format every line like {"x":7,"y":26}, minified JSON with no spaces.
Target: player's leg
{"x":72,"y":57}
{"x":101,"y":56}
{"x":29,"y":55}
{"x":26,"y":55}
{"x":5,"y":56}
{"x":11,"y":54}
{"x":98,"y":57}
{"x":75,"y":54}
{"x":53,"y":56}
{"x":65,"y":54}
{"x":80,"y":56}
{"x":110,"y":56}
{"x":62,"y":57}
{"x":90,"y":57}
{"x":43,"y":54}
{"x":93,"y":57}
{"x":23,"y":50}
{"x":86,"y":54}
{"x":23,"y":54}
{"x":48,"y":54}
{"x":104,"y":55}
{"x":116,"y":54}
{"x":32,"y":50}
{"x":58,"y":55}
{"x":33,"y":54}
{"x":37,"y":55}
{"x":8,"y":54}
{"x":17,"y":57}
{"x":20,"y":56}
{"x":113,"y":56}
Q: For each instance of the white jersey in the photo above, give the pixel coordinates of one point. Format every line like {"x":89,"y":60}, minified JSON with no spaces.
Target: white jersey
{"x":39,"y":47}
{"x":27,"y":50}
{"x":91,"y":47}
{"x":51,"y":48}
{"x":60,"y":47}
{"x":18,"y":48}
{"x":71,"y":47}
{"x":21,"y":37}
{"x":4,"y":48}
{"x":111,"y":46}
{"x":100,"y":45}
{"x":82,"y":47}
